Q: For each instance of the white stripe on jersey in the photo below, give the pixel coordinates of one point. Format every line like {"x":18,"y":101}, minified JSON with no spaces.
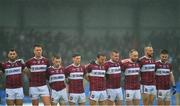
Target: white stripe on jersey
{"x":76,"y":75}
{"x":132,"y":71}
{"x":38,"y":68}
{"x":162,"y":72}
{"x":148,"y":68}
{"x":13,"y":71}
{"x":114,"y":70}
{"x":57,"y":77}
{"x":97,"y":73}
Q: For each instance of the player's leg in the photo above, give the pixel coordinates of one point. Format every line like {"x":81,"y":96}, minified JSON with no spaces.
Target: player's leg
{"x":152,"y":94}
{"x":63,"y":101}
{"x":128,"y":97}
{"x":35,"y":102}
{"x":103,"y":103}
{"x":82,"y":99}
{"x":167,"y":97}
{"x":10,"y":97}
{"x":45,"y":96}
{"x":33,"y":92}
{"x":94,"y":96}
{"x":136,"y":102}
{"x":46,"y":100}
{"x":137,"y":97}
{"x":111,"y":96}
{"x":18,"y":102}
{"x":19,"y":96}
{"x":103,"y":98}
{"x":10,"y":102}
{"x":167,"y":102}
{"x":119,"y":99}
{"x":151,"y":99}
{"x":145,"y":99}
{"x":159,"y":101}
{"x":54,"y":97}
{"x":92,"y":102}
{"x":145,"y":95}
{"x":72,"y":99}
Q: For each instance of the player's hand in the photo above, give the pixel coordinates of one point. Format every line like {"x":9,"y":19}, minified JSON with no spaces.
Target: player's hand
{"x":173,"y":90}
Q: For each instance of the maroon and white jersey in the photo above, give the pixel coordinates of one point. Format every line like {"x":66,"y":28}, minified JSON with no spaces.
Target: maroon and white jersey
{"x":13,"y":73}
{"x":131,"y":71}
{"x":113,"y":74}
{"x":38,"y":70}
{"x":56,"y":78}
{"x":147,"y":71}
{"x":96,"y":75}
{"x":163,"y":71}
{"x":75,"y":76}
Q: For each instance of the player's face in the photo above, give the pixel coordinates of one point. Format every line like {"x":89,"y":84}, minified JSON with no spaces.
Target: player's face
{"x":149,"y":51}
{"x":101,"y":60}
{"x":77,"y":60}
{"x":134,"y":56}
{"x":56,"y":62}
{"x":115,"y":57}
{"x":12,"y":55}
{"x":164,"y":57}
{"x":38,"y":51}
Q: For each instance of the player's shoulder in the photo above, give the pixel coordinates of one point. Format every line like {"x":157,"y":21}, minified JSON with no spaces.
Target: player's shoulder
{"x":20,"y":61}
{"x":142,"y":58}
{"x":125,"y":61}
{"x":68,"y":66}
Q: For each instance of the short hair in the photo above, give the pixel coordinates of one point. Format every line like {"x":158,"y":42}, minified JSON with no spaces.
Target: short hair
{"x":100,"y":54}
{"x":115,"y":51}
{"x":56,"y":56}
{"x":75,"y":55}
{"x":38,"y":45}
{"x":148,"y":46}
{"x":132,"y":50}
{"x":12,"y":50}
{"x":164,"y":51}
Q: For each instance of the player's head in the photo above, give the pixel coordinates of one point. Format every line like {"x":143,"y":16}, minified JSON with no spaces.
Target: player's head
{"x":56,"y":61}
{"x":164,"y":55}
{"x":133,"y":54}
{"x":76,"y":58}
{"x":101,"y":58}
{"x":114,"y":55}
{"x":12,"y":55}
{"x":38,"y":50}
{"x":148,"y":50}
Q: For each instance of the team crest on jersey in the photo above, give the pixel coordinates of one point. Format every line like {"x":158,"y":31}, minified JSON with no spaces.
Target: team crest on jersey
{"x":71,"y":98}
{"x":109,"y":96}
{"x":92,"y":96}
{"x":146,"y":90}
{"x":127,"y":95}
{"x":160,"y":93}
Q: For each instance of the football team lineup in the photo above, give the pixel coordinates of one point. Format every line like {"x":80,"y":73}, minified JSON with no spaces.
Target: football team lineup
{"x":56,"y":84}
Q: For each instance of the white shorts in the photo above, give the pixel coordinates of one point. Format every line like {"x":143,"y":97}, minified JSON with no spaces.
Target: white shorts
{"x":77,"y":97}
{"x":35,"y":92}
{"x":132,"y":94}
{"x":148,"y":89}
{"x":58,"y":96}
{"x":164,"y":94}
{"x":115,"y":94}
{"x":98,"y":95}
{"x":14,"y":93}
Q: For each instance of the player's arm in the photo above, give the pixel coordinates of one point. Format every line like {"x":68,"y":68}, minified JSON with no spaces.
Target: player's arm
{"x":1,"y":70}
{"x":86,"y":76}
{"x":172,"y":79}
